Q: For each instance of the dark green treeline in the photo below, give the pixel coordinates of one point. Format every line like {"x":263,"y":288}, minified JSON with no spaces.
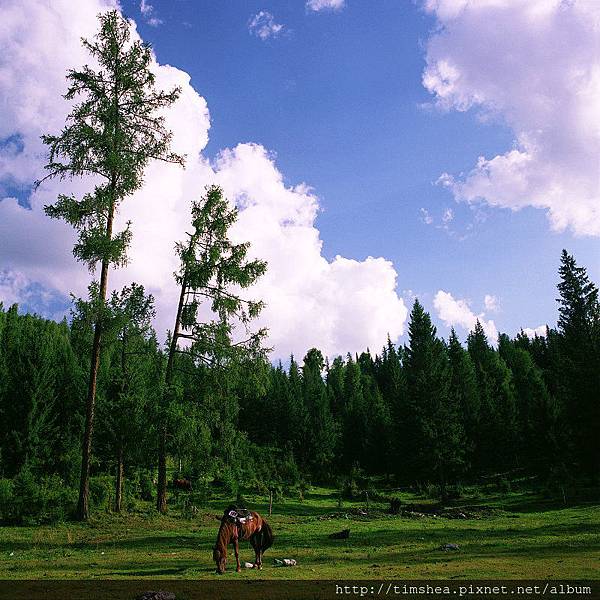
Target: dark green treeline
{"x":432,"y":411}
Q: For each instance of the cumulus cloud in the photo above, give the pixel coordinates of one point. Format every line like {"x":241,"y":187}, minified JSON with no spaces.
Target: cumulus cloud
{"x":539,"y":331}
{"x":455,"y":312}
{"x":534,"y":64}
{"x":340,"y":305}
{"x":264,"y":26}
{"x":337,"y":302}
{"x":491,"y":303}
{"x":13,"y":287}
{"x":320,"y":5}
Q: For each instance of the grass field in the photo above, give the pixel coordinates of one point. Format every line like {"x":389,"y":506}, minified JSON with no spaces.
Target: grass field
{"x":515,"y":536}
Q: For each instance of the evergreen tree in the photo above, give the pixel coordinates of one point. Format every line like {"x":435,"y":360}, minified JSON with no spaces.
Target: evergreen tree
{"x":211,"y":268}
{"x":438,"y":439}
{"x":391,"y":382}
{"x":321,"y":440}
{"x":539,"y":420}
{"x":463,"y":392}
{"x":497,"y":431}
{"x":579,"y":350}
{"x":353,"y":416}
{"x":297,"y":415}
{"x":335,"y":387}
{"x":378,"y":435}
{"x":133,"y":377}
{"x":37,"y":393}
{"x":111,"y":134}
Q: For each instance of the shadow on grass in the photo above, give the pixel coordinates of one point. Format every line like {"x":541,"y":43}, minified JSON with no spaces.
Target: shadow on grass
{"x":203,"y":541}
{"x":148,"y":572}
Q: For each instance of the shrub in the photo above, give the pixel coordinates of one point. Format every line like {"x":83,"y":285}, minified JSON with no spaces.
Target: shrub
{"x":454,"y":492}
{"x":431,"y":490}
{"x":58,"y":500}
{"x":231,"y":481}
{"x":40,"y":500}
{"x":146,"y":486}
{"x":504,"y":486}
{"x":6,"y":500}
{"x":102,"y":493}
{"x":350,"y":489}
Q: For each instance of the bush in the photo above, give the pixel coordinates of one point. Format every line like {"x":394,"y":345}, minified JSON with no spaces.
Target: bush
{"x":504,"y":486}
{"x":432,"y":491}
{"x":350,"y":489}
{"x":146,"y":486}
{"x":102,"y":492}
{"x":6,"y":500}
{"x":40,"y":500}
{"x":201,"y":492}
{"x":131,"y":493}
{"x":355,"y":484}
{"x":455,"y":492}
{"x":231,"y":480}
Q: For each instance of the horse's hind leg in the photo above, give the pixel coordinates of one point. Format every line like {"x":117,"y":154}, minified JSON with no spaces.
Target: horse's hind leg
{"x":255,"y":541}
{"x":259,"y":550}
{"x":236,"y":548}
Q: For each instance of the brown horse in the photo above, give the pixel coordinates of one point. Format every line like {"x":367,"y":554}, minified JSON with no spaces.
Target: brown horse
{"x":244,"y":525}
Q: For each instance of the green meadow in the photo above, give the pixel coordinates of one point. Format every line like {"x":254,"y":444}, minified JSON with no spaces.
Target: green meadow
{"x":518,"y":535}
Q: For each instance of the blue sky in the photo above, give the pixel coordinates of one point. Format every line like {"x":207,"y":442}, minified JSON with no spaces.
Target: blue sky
{"x":338,"y":96}
{"x":369,"y":105}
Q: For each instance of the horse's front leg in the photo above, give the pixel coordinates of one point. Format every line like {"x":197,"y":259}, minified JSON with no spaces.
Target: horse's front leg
{"x":236,"y":548}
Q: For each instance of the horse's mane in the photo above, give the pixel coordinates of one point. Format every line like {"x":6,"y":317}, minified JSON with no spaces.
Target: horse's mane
{"x":223,"y":538}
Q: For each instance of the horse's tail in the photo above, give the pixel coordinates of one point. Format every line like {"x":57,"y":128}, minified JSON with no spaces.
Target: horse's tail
{"x":267,"y":536}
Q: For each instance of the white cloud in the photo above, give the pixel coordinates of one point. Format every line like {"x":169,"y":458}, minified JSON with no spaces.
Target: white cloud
{"x":13,"y":287}
{"x":426,"y":217}
{"x":534,"y":64}
{"x":147,"y":11}
{"x":455,"y":312}
{"x":491,"y":303}
{"x":320,"y":5}
{"x":539,"y":331}
{"x":340,"y":305}
{"x":336,"y":305}
{"x":446,"y":223}
{"x":448,"y":216}
{"x":263,"y":25}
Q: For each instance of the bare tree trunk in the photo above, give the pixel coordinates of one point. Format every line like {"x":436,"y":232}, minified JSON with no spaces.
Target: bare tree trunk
{"x":270,"y":501}
{"x":83,"y":509}
{"x":119,"y":480}
{"x":161,"y":492}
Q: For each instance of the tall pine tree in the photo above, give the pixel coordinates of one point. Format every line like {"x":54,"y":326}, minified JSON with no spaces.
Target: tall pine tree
{"x":212,"y":270}
{"x":437,"y":452}
{"x":114,"y":131}
{"x":579,"y":349}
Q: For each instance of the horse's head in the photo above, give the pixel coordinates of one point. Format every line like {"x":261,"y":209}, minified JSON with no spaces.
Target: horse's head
{"x":220,"y":558}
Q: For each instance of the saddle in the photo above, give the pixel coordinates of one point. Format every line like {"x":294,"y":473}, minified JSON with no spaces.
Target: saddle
{"x":239,"y":515}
